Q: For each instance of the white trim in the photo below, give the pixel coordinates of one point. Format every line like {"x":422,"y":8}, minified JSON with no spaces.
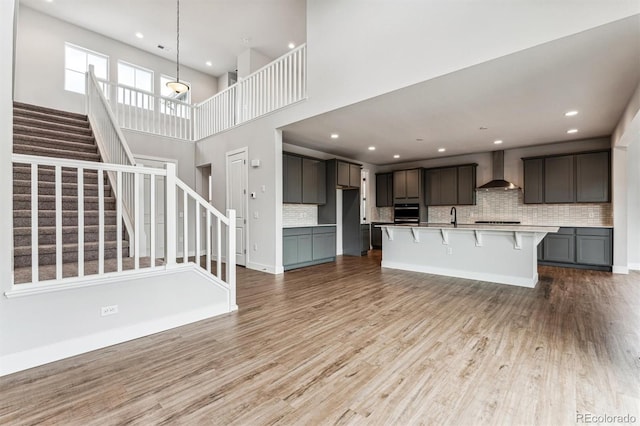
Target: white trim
{"x":634,"y":266}
{"x":620,"y":269}
{"x":71,"y":347}
{"x":21,"y":290}
{"x":264,"y":268}
{"x":228,"y":154}
{"x":475,"y":276}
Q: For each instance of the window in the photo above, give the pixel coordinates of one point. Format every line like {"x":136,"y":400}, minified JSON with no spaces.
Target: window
{"x":76,"y":64}
{"x":167,"y":106}
{"x":139,"y":82}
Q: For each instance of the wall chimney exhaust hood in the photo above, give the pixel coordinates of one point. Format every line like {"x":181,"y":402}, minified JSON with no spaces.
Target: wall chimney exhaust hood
{"x":498,"y":182}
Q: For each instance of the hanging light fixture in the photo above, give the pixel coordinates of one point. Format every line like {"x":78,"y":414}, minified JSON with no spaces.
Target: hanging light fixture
{"x":178,"y":86}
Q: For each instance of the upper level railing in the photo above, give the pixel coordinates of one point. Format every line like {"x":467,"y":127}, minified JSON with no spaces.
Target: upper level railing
{"x":276,"y":85}
{"x":189,"y":225}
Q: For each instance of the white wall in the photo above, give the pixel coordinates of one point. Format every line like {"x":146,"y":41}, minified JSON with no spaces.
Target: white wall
{"x":626,"y":180}
{"x":251,"y":61}
{"x":7,"y":9}
{"x":40,"y":62}
{"x":358,"y":49}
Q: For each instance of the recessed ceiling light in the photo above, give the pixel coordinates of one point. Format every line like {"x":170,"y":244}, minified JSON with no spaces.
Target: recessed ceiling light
{"x":49,"y":1}
{"x":139,"y":35}
{"x":441,"y":150}
{"x":372,"y":148}
{"x":570,"y":113}
{"x":498,"y":142}
{"x":208,"y":63}
{"x":572,"y":131}
{"x":334,"y":136}
{"x":396,"y":156}
{"x":291,"y":45}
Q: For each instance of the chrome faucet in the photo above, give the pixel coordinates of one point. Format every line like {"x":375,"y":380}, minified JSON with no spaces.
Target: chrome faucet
{"x":454,"y":222}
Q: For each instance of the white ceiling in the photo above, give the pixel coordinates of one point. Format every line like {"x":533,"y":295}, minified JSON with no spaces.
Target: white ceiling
{"x":521,"y":99}
{"x":210,"y":30}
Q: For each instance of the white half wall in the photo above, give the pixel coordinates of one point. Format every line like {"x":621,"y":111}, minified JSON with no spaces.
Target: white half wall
{"x":42,"y":328}
{"x":40,"y":62}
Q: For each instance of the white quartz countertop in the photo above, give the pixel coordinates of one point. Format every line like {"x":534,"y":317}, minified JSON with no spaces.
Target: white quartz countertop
{"x":308,"y":226}
{"x":479,"y":227}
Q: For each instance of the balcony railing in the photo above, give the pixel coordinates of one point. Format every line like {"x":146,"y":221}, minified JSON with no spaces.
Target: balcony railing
{"x":281,"y":83}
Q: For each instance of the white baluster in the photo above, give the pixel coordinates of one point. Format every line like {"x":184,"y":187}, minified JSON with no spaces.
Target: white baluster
{"x":185,"y":228}
{"x":208,"y":241}
{"x":119,"y":196}
{"x":100,"y":222}
{"x":152,"y":215}
{"x":34,"y":224}
{"x":58,"y":222}
{"x":218,"y":249}
{"x":80,"y":222}
{"x":170,"y":215}
{"x":231,"y":258}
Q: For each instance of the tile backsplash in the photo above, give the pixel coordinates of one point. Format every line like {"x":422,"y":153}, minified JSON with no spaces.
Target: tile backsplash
{"x":299,"y":215}
{"x":509,"y":205}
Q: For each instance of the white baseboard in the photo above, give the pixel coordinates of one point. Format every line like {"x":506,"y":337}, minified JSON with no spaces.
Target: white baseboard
{"x":620,"y":269}
{"x":634,"y":266}
{"x":263,"y":268}
{"x":71,"y":347}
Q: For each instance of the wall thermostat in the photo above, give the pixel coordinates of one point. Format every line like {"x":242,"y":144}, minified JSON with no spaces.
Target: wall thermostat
{"x":255,"y":163}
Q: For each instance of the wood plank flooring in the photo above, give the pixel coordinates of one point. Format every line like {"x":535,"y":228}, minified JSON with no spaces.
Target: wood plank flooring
{"x":351,"y":343}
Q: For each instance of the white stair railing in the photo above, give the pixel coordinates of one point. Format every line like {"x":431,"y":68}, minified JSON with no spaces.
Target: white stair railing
{"x":211,"y":234}
{"x":111,"y":144}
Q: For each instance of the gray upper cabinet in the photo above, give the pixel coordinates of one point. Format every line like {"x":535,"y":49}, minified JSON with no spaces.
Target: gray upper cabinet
{"x":292,"y":179}
{"x":466,"y":185}
{"x":314,"y":187}
{"x":384,"y":190}
{"x":449,"y":186}
{"x":592,"y":177}
{"x":406,"y":186}
{"x":559,"y":184}
{"x":533,"y":181}
{"x":582,"y":178}
{"x":348,"y":174}
{"x":303,"y":180}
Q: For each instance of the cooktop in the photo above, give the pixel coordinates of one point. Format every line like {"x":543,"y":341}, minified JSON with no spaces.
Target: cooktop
{"x":500,"y":222}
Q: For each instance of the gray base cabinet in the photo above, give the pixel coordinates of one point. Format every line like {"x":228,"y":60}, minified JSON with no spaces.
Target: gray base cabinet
{"x":365,"y":234}
{"x":308,"y":246}
{"x":587,"y":248}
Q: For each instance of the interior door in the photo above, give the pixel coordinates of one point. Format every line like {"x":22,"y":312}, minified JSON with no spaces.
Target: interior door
{"x":159,"y":206}
{"x":237,"y":199}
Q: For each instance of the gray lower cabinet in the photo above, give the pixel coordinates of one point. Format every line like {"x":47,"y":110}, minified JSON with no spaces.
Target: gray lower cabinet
{"x":376,"y":234}
{"x":308,"y":246}
{"x":365,"y":236}
{"x":590,"y":248}
{"x":560,"y":246}
{"x":593,"y":246}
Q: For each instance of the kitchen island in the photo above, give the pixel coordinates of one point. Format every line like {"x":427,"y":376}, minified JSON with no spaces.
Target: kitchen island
{"x":504,"y":254}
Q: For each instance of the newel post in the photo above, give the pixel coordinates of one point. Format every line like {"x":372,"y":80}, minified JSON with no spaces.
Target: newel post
{"x":231,"y":258}
{"x":170,"y":221}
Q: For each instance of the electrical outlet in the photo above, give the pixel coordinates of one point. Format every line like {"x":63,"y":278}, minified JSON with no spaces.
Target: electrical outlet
{"x":449,"y":250}
{"x":255,"y":247}
{"x":108,"y":310}
{"x":591,"y":215}
{"x":263,"y":188}
{"x":255,"y":215}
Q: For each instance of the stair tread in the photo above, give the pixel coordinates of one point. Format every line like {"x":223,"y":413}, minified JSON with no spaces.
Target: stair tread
{"x":45,"y":183}
{"x":66,"y":139}
{"x":47,"y":110}
{"x":37,"y":123}
{"x":21,"y":230}
{"x":68,"y":247}
{"x":45,"y":149}
{"x":22,"y":213}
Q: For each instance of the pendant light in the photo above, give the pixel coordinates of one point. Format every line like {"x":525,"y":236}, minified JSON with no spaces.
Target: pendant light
{"x":178,"y":86}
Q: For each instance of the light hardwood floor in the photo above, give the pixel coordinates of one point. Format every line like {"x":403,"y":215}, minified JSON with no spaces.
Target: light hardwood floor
{"x":351,"y":343}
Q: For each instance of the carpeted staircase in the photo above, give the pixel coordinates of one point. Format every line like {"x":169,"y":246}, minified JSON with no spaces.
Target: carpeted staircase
{"x":52,"y":133}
